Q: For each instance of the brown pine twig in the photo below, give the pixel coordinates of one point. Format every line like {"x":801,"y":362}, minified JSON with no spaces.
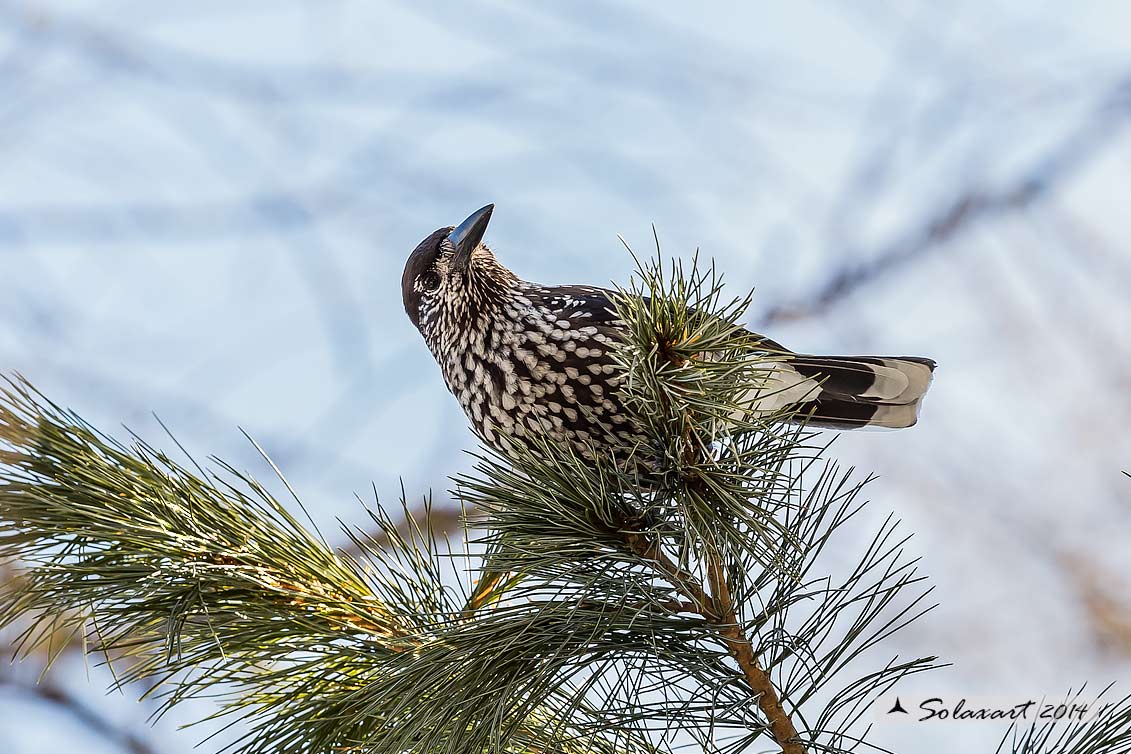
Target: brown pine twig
{"x":719,"y":611}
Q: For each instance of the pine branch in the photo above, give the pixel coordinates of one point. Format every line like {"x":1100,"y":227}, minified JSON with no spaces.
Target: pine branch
{"x":720,"y":611}
{"x":616,"y":611}
{"x":1108,"y":731}
{"x":203,"y":585}
{"x":105,"y":517}
{"x":728,"y":529}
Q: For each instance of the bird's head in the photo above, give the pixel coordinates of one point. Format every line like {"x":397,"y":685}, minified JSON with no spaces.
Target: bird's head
{"x":452,"y":274}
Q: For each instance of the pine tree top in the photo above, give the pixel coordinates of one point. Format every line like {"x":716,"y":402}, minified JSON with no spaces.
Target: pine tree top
{"x":602,"y":616}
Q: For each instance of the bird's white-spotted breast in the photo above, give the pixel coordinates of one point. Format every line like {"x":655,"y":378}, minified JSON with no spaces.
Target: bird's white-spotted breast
{"x":536,"y":361}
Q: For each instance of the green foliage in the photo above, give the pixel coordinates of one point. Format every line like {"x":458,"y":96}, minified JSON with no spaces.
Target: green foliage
{"x":620,"y":607}
{"x":1106,"y":731}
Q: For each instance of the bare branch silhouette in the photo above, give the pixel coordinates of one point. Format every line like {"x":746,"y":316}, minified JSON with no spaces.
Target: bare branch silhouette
{"x":972,"y":205}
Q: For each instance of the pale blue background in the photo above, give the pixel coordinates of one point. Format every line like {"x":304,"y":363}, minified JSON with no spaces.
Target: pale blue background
{"x":205,"y":208}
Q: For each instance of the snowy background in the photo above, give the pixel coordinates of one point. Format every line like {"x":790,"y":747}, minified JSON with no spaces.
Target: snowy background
{"x":205,"y":208}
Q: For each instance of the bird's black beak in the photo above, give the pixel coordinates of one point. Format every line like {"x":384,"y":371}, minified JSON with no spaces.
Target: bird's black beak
{"x":467,"y":235}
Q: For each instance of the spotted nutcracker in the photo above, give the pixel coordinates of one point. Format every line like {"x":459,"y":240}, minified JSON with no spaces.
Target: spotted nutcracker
{"x":526,"y":359}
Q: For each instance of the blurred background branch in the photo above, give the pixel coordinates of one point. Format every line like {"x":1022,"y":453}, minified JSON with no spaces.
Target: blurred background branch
{"x":1099,"y":131}
{"x":93,"y":721}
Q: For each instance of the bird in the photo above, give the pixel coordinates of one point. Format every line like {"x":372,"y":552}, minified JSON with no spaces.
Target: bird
{"x":527,"y":360}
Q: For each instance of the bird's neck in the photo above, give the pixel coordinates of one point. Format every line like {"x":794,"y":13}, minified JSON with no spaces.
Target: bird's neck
{"x":470,"y":319}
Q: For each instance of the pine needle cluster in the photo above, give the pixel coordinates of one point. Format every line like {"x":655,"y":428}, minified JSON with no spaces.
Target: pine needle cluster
{"x":681,"y":596}
{"x":1106,"y":731}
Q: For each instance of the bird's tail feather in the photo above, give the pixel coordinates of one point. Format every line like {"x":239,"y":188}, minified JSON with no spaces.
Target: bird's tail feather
{"x":849,"y":392}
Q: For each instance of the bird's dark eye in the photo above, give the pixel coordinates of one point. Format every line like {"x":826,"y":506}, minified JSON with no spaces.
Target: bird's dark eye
{"x":430,"y":280}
